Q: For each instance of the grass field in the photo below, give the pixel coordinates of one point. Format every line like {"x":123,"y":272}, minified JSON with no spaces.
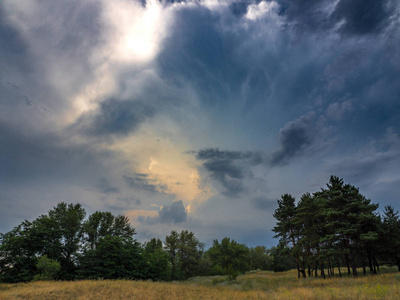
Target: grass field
{"x":253,"y":285}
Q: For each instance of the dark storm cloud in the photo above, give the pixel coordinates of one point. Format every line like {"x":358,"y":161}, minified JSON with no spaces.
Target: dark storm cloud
{"x":200,"y":55}
{"x":305,"y":14}
{"x":373,"y":166}
{"x":367,"y":169}
{"x":385,"y":192}
{"x":12,"y":46}
{"x":174,"y":213}
{"x":239,"y":7}
{"x":262,"y":203}
{"x":359,"y":17}
{"x":115,"y":117}
{"x":216,"y":154}
{"x":30,"y":156}
{"x":120,"y":204}
{"x":362,"y":16}
{"x":227,"y":167}
{"x":143,"y":182}
{"x":294,"y":139}
{"x":15,"y":60}
{"x":105,"y":187}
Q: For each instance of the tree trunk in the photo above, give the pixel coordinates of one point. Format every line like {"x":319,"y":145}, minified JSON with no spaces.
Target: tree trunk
{"x":328,"y":267}
{"x":297,"y":258}
{"x":316,"y":268}
{"x":309,"y":270}
{"x":353,"y":264}
{"x":371,"y":267}
{"x":348,"y":264}
{"x":322,"y":270}
{"x":338,"y":265}
{"x":376,"y":263}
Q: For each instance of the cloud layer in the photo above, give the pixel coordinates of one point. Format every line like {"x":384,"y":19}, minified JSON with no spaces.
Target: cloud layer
{"x":195,"y":114}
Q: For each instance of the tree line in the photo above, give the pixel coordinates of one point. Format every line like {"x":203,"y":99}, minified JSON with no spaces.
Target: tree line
{"x":64,"y":244}
{"x":337,"y":227}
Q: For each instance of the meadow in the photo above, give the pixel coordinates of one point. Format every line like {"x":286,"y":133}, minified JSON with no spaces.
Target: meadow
{"x":252,"y":285}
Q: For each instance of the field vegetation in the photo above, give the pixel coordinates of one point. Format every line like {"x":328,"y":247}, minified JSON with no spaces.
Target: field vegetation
{"x":252,"y":285}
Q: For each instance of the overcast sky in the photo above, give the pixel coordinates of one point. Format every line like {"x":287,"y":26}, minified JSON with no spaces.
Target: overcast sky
{"x":196,"y":115}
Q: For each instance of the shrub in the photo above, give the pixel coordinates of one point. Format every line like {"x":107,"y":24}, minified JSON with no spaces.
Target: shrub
{"x":48,"y":268}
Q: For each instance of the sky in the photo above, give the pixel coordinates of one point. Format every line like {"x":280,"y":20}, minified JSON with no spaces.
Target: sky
{"x":196,"y":115}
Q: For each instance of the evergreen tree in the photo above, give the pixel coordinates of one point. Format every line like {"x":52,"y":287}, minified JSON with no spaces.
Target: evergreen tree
{"x":309,"y":221}
{"x":333,"y":225}
{"x":287,"y":229}
{"x":350,"y":222}
{"x":390,"y":238}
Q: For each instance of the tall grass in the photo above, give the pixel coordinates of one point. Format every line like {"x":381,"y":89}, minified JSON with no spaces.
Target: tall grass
{"x":253,"y":285}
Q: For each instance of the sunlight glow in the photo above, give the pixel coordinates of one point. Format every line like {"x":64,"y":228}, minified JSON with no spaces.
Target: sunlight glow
{"x":166,"y":164}
{"x":258,"y":11}
{"x":137,"y":30}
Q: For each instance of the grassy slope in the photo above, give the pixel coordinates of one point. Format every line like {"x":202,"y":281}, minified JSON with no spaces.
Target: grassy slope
{"x":254,"y":285}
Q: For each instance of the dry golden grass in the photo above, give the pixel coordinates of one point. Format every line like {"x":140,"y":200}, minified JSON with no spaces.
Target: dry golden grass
{"x":254,"y":285}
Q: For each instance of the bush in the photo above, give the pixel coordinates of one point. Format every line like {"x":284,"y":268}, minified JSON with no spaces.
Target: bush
{"x":48,"y":268}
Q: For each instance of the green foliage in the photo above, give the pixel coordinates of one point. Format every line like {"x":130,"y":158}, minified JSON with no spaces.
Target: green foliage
{"x":102,"y":224}
{"x":56,"y":236}
{"x":333,"y":225}
{"x":185,"y":252}
{"x":389,"y":240}
{"x":113,"y":258}
{"x":285,"y":227}
{"x":229,"y":256}
{"x":67,"y":235}
{"x":158,"y":266}
{"x":59,"y":236}
{"x":17,"y":255}
{"x":259,"y":258}
{"x":48,"y":268}
{"x":280,"y":259}
{"x":232,"y":273}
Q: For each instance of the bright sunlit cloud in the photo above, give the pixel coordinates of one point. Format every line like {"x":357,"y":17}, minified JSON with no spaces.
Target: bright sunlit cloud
{"x":136,"y":31}
{"x":258,"y":11}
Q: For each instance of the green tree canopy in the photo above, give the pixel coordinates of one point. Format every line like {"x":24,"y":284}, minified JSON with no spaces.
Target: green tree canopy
{"x":229,"y":255}
{"x":185,"y":252}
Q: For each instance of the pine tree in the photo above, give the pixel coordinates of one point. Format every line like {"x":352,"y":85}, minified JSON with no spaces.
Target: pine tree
{"x":286,"y":229}
{"x":391,"y":236}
